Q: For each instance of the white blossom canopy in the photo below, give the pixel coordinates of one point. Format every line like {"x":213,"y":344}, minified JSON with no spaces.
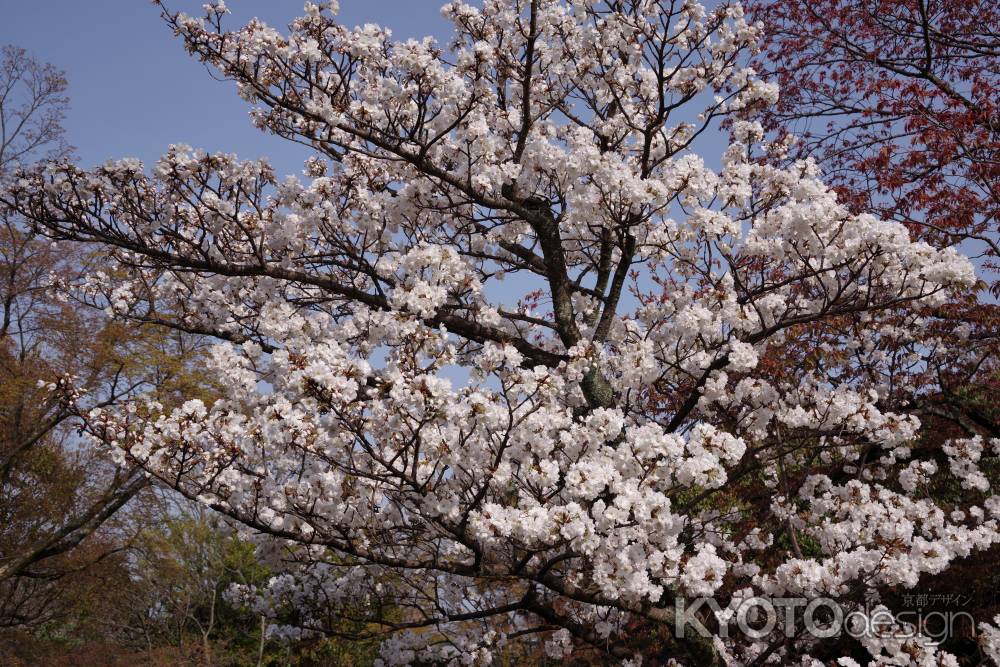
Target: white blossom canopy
{"x":511,"y":360}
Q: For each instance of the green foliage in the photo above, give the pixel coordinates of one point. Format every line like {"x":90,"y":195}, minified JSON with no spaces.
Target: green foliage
{"x":163,"y":602}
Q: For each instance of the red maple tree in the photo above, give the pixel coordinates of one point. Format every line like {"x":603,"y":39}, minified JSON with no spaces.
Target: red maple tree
{"x":898,"y":101}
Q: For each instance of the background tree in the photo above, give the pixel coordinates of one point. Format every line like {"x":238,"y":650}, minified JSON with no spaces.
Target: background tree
{"x":897,"y":102}
{"x":166,"y":602}
{"x":53,"y":494}
{"x":33,"y":103}
{"x":182,"y":569}
{"x":58,"y":493}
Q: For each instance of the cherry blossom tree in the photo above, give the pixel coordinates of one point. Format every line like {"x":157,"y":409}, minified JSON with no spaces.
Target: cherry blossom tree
{"x":505,"y":365}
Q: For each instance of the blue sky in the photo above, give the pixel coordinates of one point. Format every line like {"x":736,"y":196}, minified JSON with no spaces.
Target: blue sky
{"x":134,"y":90}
